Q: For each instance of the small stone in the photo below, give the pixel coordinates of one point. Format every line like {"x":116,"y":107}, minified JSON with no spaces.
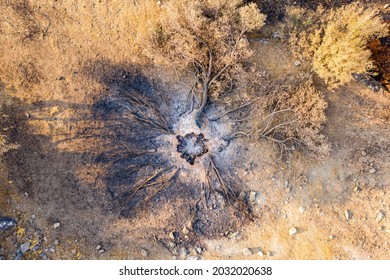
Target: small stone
{"x":33,"y":216}
{"x":269,"y":254}
{"x":198,"y":250}
{"x":364,"y":153}
{"x":252,"y":196}
{"x":386,"y":6}
{"x":171,"y":244}
{"x":292,"y":231}
{"x":286,"y":184}
{"x":247,"y":252}
{"x":186,"y":230}
{"x":56,"y":242}
{"x":56,"y":225}
{"x":331,"y":236}
{"x":101,"y":251}
{"x":98,"y":247}
{"x":74,"y":251}
{"x":192,"y":258}
{"x":183,"y":252}
{"x":372,"y":171}
{"x":27,"y":115}
{"x":348,"y":214}
{"x":144,"y":253}
{"x":173,"y":235}
{"x":260,"y":253}
{"x":302,"y":209}
{"x":379,"y":217}
{"x":297,"y":63}
{"x":25,"y":247}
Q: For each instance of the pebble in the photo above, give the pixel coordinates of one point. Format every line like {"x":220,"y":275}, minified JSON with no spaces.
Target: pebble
{"x":192,"y":258}
{"x":252,"y":196}
{"x":102,"y":251}
{"x":198,"y":250}
{"x":331,"y":236}
{"x":172,"y":235}
{"x":183,"y":252}
{"x":292,"y":231}
{"x":144,"y":253}
{"x":372,"y":171}
{"x":33,"y":216}
{"x":98,"y":247}
{"x":380,"y":216}
{"x":297,"y":63}
{"x":386,"y":6}
{"x":302,"y":209}
{"x":247,"y":252}
{"x":260,"y":253}
{"x":186,"y":230}
{"x":364,"y":153}
{"x":74,"y":251}
{"x":56,"y":242}
{"x":25,"y":247}
{"x":56,"y":225}
{"x":348,"y":214}
{"x":171,"y":244}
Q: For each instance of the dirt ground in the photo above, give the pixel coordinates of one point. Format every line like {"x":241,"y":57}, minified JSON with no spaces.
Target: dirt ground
{"x":67,"y":83}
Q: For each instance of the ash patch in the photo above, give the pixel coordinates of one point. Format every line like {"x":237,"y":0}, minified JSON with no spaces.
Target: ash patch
{"x":191,"y":146}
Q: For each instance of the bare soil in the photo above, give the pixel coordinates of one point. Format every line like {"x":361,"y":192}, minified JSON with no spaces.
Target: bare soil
{"x":70,"y":95}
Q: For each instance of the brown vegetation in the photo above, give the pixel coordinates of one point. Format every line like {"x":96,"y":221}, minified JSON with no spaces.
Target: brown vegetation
{"x":335,"y":41}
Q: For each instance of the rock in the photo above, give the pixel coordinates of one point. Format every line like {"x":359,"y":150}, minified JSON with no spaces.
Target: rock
{"x":297,"y":63}
{"x":247,"y":252}
{"x":186,"y":230}
{"x":198,"y":250}
{"x":144,"y":253}
{"x":101,"y":251}
{"x":348,"y":214}
{"x":33,"y":216}
{"x":252,"y":196}
{"x":364,"y":153}
{"x":379,"y":217}
{"x":331,"y":236}
{"x":302,"y":209}
{"x":56,"y":225}
{"x":98,"y":247}
{"x":171,"y":244}
{"x":372,"y":171}
{"x":192,"y":258}
{"x":260,"y":253}
{"x":173,"y":235}
{"x":386,"y":6}
{"x":183,"y":252}
{"x":25,"y":247}
{"x":292,"y":231}
{"x":6,"y":223}
{"x":56,"y":242}
{"x":74,"y":251}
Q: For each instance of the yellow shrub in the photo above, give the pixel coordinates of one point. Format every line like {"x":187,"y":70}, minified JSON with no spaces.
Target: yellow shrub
{"x":336,"y":41}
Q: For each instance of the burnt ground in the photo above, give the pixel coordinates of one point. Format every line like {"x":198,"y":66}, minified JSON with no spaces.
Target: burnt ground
{"x":97,"y":174}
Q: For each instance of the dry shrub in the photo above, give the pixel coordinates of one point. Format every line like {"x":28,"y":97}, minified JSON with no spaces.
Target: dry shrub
{"x":304,"y":108}
{"x":336,"y":40}
{"x":183,"y":33}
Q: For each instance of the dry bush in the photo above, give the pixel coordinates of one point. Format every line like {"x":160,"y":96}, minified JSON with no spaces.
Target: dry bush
{"x":298,"y":116}
{"x":336,"y":40}
{"x":206,"y":37}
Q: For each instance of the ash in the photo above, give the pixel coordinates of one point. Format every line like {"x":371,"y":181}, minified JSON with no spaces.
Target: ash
{"x":191,"y":146}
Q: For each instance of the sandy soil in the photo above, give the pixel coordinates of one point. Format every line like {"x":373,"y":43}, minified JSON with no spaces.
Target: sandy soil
{"x":66,"y":76}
